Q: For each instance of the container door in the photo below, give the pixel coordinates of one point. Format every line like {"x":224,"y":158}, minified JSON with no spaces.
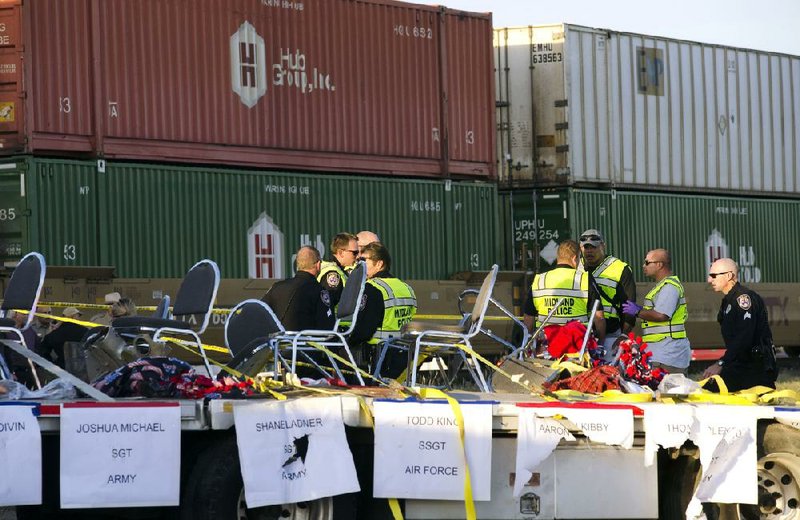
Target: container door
{"x":13,"y":224}
{"x":62,"y":196}
{"x":11,"y":110}
{"x":540,"y":222}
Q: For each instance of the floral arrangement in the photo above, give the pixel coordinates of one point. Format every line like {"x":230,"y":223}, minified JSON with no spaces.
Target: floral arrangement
{"x":634,"y":362}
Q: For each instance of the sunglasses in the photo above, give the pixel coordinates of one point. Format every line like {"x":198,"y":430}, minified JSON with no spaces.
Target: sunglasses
{"x":592,"y":238}
{"x":354,"y":251}
{"x":648,"y":262}
{"x":714,"y":275}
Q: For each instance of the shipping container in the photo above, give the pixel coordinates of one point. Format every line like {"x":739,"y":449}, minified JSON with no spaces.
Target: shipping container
{"x":756,"y":232}
{"x":155,"y":221}
{"x":599,"y":108}
{"x":364,"y":86}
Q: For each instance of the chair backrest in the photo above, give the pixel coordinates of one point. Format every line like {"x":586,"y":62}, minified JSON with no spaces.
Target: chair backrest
{"x":248,"y":321}
{"x":162,"y":309}
{"x":22,"y":291}
{"x":197,"y":292}
{"x":482,"y":300}
{"x":350,"y":301}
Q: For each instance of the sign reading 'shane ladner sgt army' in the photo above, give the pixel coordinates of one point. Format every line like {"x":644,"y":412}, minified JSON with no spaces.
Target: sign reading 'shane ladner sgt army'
{"x":293,"y":451}
{"x":120,"y":454}
{"x":419,"y":453}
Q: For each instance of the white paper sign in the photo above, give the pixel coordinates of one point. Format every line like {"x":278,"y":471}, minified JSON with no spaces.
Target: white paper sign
{"x":536,"y":439}
{"x":736,"y":482}
{"x":120,"y":454}
{"x":667,"y":426}
{"x":611,"y":426}
{"x":418,"y":451}
{"x":294,"y":451}
{"x":21,"y":453}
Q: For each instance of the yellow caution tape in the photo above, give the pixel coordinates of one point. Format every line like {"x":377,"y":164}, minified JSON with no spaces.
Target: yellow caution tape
{"x":432,"y":393}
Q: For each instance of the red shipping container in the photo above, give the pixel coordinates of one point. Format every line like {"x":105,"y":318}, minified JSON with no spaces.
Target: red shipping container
{"x":340,"y":85}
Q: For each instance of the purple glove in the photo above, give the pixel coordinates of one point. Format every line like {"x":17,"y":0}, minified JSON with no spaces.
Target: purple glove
{"x":631,"y":307}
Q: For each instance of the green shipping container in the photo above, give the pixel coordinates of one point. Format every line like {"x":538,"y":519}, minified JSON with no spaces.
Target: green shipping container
{"x":156,"y":221}
{"x":50,"y":206}
{"x":697,"y":229}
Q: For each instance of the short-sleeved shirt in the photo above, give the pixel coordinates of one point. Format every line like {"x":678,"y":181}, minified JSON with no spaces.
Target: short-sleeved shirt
{"x":669,"y":351}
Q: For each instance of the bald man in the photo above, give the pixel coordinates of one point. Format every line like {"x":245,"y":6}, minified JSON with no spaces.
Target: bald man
{"x":663,"y":314}
{"x":300,"y":302}
{"x":366,"y":237}
{"x":749,"y":358}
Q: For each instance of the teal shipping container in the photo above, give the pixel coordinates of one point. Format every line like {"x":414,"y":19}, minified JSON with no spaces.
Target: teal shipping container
{"x":757,"y":233}
{"x":155,"y":221}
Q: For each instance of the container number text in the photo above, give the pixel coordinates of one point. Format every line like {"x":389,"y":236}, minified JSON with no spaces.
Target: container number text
{"x":64,"y":105}
{"x":415,"y":32}
{"x":547,"y":57}
{"x":427,"y":205}
{"x":8,"y":214}
{"x":530,"y":234}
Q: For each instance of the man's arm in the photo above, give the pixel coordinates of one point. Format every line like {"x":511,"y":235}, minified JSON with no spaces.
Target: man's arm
{"x":664,"y":305}
{"x":529,"y":312}
{"x":626,"y":290}
{"x":370,"y":317}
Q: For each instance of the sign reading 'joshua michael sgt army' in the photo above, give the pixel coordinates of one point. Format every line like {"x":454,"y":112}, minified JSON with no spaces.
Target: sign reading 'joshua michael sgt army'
{"x":419,"y":453}
{"x":21,"y":453}
{"x":293,"y":451}
{"x":120,"y":454}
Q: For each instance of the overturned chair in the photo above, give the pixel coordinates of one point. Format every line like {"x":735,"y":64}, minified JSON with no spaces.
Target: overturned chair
{"x":434,"y":340}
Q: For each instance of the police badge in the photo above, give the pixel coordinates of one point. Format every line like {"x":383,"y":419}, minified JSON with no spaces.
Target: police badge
{"x":333,"y":279}
{"x":744,"y":301}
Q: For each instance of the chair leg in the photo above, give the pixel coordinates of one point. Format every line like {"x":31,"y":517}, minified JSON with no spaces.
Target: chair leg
{"x":482,"y":381}
{"x":379,"y":364}
{"x":416,"y":360}
{"x":353,"y":362}
{"x":5,"y":372}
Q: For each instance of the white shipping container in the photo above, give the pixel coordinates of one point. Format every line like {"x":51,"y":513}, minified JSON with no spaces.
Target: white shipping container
{"x":579,"y":105}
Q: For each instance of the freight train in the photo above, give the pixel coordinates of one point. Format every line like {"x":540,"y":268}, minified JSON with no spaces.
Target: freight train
{"x":295,"y":134}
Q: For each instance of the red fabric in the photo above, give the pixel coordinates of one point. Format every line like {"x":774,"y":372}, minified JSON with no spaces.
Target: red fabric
{"x":594,"y":381}
{"x":567,"y":339}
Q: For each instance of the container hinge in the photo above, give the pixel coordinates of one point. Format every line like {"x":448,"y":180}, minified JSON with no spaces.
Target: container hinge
{"x":560,"y":103}
{"x":562,"y":149}
{"x":501,"y":104}
{"x":562,"y":126}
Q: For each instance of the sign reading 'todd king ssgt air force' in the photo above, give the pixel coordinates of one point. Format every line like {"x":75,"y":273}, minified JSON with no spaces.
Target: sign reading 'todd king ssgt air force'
{"x":293,"y":451}
{"x":120,"y":454}
{"x":419,"y":453}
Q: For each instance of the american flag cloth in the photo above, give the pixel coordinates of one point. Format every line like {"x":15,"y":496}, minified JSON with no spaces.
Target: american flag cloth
{"x":594,"y":381}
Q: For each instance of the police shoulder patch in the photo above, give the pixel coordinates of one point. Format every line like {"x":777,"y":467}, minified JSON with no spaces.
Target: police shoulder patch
{"x":363,"y":302}
{"x":744,"y":301}
{"x":333,"y":279}
{"x":326,"y":297}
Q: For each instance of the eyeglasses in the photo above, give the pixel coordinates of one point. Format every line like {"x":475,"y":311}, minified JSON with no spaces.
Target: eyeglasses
{"x":648,"y":262}
{"x":590,"y":238}
{"x":714,"y":275}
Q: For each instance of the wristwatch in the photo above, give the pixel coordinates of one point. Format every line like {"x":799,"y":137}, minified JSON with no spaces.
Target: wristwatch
{"x":720,"y":362}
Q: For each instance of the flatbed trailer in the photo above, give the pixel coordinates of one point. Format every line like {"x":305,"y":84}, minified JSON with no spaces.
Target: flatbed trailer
{"x":582,"y":478}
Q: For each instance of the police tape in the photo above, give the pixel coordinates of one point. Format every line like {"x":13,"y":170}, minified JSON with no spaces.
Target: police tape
{"x":224,"y":310}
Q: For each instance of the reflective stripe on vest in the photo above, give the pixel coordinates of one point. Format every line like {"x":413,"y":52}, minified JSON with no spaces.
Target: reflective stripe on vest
{"x":561,"y":282}
{"x":399,"y":306}
{"x":606,"y":276}
{"x":654,"y":331}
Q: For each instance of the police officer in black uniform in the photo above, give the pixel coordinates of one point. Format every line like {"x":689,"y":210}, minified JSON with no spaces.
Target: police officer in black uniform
{"x":333,"y":275}
{"x":749,"y":358}
{"x":301,"y":302}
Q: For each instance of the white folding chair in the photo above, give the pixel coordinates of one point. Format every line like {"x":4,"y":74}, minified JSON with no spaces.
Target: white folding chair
{"x":439,"y":340}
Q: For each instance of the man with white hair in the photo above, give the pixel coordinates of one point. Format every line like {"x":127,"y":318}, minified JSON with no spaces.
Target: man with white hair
{"x":749,"y":358}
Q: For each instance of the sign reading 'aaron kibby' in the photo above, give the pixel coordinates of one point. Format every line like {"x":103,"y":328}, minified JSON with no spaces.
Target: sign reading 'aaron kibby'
{"x":21,"y":453}
{"x":289,"y":450}
{"x":421,"y":454}
{"x":120,"y":454}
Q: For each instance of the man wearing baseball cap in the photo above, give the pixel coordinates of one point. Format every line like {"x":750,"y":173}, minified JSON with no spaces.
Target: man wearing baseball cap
{"x":613,"y":280}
